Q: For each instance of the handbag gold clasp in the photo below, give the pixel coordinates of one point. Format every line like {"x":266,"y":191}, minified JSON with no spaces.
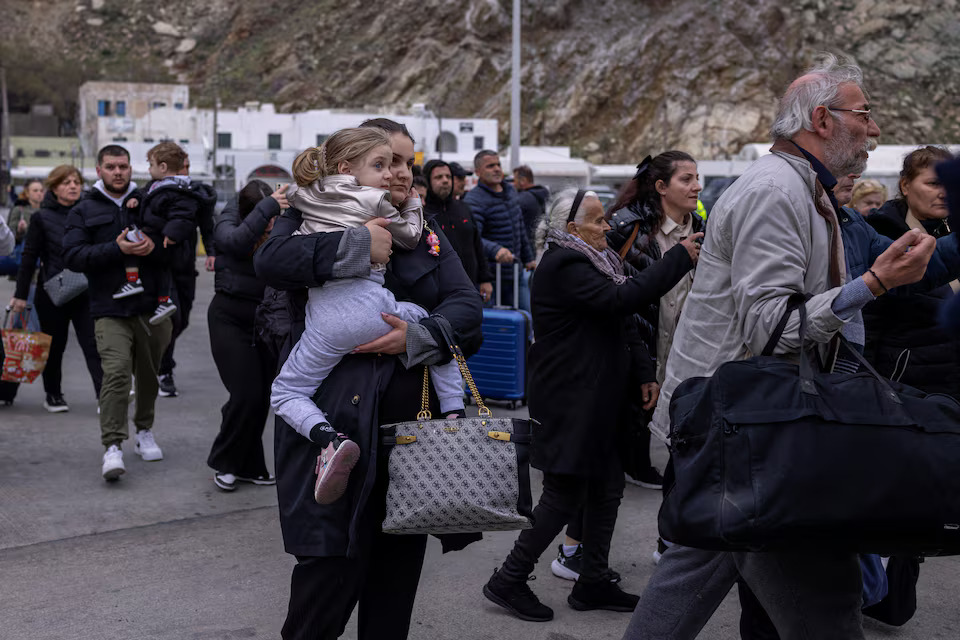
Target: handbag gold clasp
{"x":406,"y":439}
{"x":503,"y":436}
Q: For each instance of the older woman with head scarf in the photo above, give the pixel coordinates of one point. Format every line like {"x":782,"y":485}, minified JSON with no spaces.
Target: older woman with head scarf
{"x":583,"y":368}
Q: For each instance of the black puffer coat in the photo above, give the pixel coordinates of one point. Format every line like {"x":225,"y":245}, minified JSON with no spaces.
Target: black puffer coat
{"x":903,"y":339}
{"x":90,"y":247}
{"x":44,"y":241}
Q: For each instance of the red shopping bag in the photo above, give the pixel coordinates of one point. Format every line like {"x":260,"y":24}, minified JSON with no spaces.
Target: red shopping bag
{"x":25,"y":352}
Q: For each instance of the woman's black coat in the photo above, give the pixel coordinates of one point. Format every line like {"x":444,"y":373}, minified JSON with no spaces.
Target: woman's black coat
{"x":586,"y":350}
{"x":44,"y":241}
{"x":903,"y":336}
{"x":363,"y":391}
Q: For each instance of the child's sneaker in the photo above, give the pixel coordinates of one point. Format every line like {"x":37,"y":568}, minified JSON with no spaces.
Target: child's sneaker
{"x":333,"y":469}
{"x":129,"y":289}
{"x":163,"y":311}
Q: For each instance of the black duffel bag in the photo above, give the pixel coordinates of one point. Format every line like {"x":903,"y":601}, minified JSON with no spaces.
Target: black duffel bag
{"x":769,"y":455}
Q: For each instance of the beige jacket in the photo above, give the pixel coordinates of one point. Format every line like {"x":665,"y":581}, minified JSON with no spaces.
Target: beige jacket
{"x":767,"y":239}
{"x":343,"y":204}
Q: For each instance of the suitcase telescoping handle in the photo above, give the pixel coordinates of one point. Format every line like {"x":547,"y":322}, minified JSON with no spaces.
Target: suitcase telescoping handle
{"x":516,"y":287}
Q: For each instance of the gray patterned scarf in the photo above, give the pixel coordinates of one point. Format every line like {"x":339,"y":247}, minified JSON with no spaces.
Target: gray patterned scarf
{"x":607,"y":261}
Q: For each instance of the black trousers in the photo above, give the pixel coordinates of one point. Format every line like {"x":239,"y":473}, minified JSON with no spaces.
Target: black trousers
{"x":562,"y":498}
{"x":183,"y":293}
{"x":55,"y":321}
{"x":383,"y":579}
{"x":246,"y":369}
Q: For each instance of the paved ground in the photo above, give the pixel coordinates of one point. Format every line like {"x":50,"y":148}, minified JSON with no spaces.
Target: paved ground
{"x":163,"y":554}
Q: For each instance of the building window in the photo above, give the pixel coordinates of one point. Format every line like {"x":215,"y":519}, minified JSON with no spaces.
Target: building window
{"x":103,"y":107}
{"x":178,"y":106}
{"x":446,"y":142}
{"x":274,"y":141}
{"x":321,"y":138}
{"x":157,"y":105}
{"x":121,"y":108}
{"x":477,"y":143}
{"x":224,"y":140}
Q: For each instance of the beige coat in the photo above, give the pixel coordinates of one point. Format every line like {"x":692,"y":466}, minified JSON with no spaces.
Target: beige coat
{"x":767,"y":239}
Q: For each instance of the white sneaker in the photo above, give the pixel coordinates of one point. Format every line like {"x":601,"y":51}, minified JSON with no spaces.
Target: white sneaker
{"x":112,"y":463}
{"x":146,"y":446}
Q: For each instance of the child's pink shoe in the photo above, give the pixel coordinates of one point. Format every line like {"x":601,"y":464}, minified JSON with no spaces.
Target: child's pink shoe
{"x":333,"y":469}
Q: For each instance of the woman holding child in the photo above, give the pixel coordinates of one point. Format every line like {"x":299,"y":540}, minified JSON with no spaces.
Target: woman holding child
{"x":342,"y":556}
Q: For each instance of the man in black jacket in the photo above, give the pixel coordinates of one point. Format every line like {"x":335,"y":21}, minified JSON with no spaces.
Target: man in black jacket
{"x":184,"y":274}
{"x":95,"y":243}
{"x":456,"y":220}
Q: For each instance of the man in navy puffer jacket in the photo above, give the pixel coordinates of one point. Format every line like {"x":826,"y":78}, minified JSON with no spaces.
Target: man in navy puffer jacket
{"x":497,"y":213}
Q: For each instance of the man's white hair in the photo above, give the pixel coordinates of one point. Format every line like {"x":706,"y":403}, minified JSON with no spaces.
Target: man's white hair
{"x":822,"y":87}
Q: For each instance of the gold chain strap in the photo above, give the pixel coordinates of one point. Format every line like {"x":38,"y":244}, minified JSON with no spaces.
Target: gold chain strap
{"x":482,"y":409}
{"x":425,"y":396}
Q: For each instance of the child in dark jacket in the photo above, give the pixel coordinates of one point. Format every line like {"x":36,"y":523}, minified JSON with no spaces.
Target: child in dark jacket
{"x":169,"y":208}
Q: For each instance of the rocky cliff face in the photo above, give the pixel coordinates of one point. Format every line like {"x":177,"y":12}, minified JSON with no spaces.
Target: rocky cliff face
{"x":614,"y":79}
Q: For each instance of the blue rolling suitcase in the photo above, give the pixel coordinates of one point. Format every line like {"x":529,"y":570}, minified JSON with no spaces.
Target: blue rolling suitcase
{"x":500,"y":366}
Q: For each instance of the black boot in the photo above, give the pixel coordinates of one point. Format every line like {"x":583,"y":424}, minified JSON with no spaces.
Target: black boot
{"x":601,"y":594}
{"x":517,"y":598}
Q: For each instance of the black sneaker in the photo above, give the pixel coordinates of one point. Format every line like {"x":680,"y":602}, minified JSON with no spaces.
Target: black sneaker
{"x":167,"y":388}
{"x":601,"y":594}
{"x":129,"y":289}
{"x":649,"y":479}
{"x":163,"y":311}
{"x":567,"y":567}
{"x":54,"y":403}
{"x":517,"y":598}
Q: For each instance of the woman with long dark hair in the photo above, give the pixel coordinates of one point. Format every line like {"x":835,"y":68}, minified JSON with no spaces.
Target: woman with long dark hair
{"x":343,"y":557}
{"x":245,"y":363}
{"x":44,"y":242}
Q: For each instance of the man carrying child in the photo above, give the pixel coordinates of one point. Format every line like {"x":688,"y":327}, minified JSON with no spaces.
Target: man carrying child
{"x":101,"y":242}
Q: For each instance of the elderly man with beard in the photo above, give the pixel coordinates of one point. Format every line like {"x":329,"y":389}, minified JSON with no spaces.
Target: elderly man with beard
{"x":456,"y":220}
{"x":775,"y":232}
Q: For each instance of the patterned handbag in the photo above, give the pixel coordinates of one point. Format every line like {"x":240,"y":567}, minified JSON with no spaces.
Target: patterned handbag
{"x":458,"y":476}
{"x":65,"y":286}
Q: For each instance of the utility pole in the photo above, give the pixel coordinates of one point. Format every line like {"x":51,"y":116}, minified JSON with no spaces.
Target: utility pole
{"x":515,"y":91}
{"x":216,"y":107}
{"x":4,"y":137}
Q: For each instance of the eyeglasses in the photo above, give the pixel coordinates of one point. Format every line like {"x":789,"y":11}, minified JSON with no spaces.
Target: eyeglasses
{"x":864,"y":113}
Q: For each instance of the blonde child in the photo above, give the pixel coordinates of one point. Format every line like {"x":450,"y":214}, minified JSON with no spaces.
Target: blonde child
{"x":341,"y":185}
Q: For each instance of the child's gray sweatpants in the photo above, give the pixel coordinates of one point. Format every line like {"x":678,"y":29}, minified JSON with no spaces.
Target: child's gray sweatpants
{"x":340,"y":316}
